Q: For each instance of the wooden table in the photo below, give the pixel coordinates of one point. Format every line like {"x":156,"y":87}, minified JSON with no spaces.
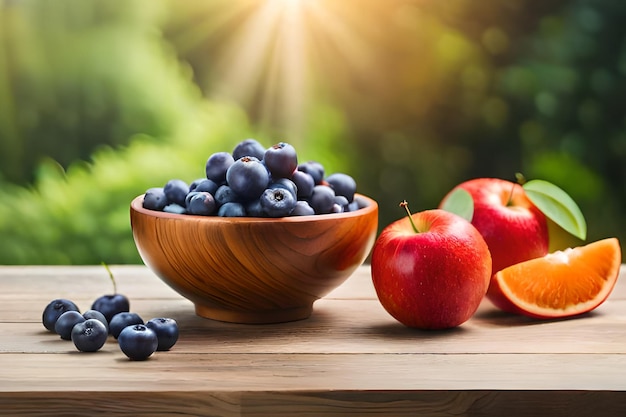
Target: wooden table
{"x":349,"y":358}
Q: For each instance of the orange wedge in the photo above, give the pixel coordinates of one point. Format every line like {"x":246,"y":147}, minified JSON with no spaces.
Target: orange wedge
{"x":563,"y":283}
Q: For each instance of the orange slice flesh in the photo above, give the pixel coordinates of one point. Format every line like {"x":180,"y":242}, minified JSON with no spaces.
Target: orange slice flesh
{"x":563,"y":283}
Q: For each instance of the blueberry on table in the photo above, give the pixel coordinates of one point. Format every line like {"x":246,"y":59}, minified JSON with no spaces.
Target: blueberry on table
{"x":53,"y":311}
{"x":111,"y":304}
{"x":122,"y":320}
{"x":277,"y":202}
{"x":166,"y":330}
{"x":97,"y":315}
{"x":217,"y":165}
{"x":247,"y":177}
{"x":138,"y":342}
{"x":248,"y":147}
{"x":66,"y":322}
{"x":89,"y":335}
{"x":281,"y":160}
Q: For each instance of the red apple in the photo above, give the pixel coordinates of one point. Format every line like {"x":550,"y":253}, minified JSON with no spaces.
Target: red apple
{"x":431,"y":270}
{"x":513,"y":227}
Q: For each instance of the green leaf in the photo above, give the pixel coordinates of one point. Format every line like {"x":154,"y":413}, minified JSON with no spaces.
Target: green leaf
{"x":558,"y":206}
{"x":460,"y":202}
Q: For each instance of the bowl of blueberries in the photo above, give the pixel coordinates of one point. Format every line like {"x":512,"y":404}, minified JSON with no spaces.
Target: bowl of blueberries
{"x":259,"y":238}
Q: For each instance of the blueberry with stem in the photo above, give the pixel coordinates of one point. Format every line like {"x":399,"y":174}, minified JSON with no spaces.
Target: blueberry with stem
{"x":111,"y":304}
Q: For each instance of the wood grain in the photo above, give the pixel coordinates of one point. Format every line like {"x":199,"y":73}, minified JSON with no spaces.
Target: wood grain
{"x":349,"y":358}
{"x":254,"y":270}
{"x":434,"y":403}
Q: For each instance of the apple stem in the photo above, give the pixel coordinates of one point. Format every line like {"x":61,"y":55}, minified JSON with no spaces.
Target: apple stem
{"x":406,"y":207}
{"x":510,"y":200}
{"x":110,"y":276}
{"x":519,"y":177}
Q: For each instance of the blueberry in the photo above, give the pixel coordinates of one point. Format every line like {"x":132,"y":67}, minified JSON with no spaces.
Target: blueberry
{"x":122,"y":320}
{"x":354,"y":206}
{"x":343,"y":184}
{"x":248,"y":147}
{"x":225,"y":194}
{"x":89,"y":335}
{"x":194,"y":184}
{"x":175,"y":208}
{"x":254,"y":209}
{"x":304,"y":183}
{"x":278,"y":202}
{"x":207,"y":185}
{"x":154,"y":199}
{"x":65,"y":323}
{"x":322,"y":199}
{"x":342,"y":202}
{"x":337,"y":208}
{"x":111,"y":304}
{"x":314,"y":169}
{"x":231,"y":209}
{"x":361,"y":202}
{"x":248,"y":178}
{"x":96,"y":315}
{"x":302,"y":209}
{"x":138,"y":342}
{"x":53,"y":311}
{"x":287,"y":184}
{"x":176,"y":191}
{"x":202,"y":203}
{"x":190,"y":195}
{"x":217,"y":165}
{"x":281,"y":160}
{"x":166,"y":330}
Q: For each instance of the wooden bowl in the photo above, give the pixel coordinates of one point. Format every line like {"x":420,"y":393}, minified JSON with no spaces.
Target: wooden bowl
{"x":253,"y":270}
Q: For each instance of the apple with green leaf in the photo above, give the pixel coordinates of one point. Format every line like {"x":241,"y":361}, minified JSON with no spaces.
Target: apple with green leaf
{"x":513,"y":219}
{"x":431,"y":270}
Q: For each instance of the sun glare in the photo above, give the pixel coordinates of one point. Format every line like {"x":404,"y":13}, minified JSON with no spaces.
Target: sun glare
{"x":270,"y":61}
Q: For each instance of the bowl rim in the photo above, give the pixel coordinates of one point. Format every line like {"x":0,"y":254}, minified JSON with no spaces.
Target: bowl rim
{"x":372,"y":206}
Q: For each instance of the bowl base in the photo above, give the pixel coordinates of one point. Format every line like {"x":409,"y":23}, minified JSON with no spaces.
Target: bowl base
{"x":254,"y":317}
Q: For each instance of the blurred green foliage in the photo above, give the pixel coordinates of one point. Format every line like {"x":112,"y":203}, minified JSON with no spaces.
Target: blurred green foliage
{"x":81,"y":215}
{"x":102,"y":99}
{"x":75,"y":75}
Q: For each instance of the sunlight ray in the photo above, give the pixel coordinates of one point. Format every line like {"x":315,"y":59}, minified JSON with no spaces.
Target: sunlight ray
{"x":243,"y":63}
{"x":285,"y":51}
{"x":353,"y":45}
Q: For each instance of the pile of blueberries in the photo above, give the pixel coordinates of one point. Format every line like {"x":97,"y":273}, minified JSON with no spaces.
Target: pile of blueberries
{"x":254,"y":181}
{"x":110,"y":315}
